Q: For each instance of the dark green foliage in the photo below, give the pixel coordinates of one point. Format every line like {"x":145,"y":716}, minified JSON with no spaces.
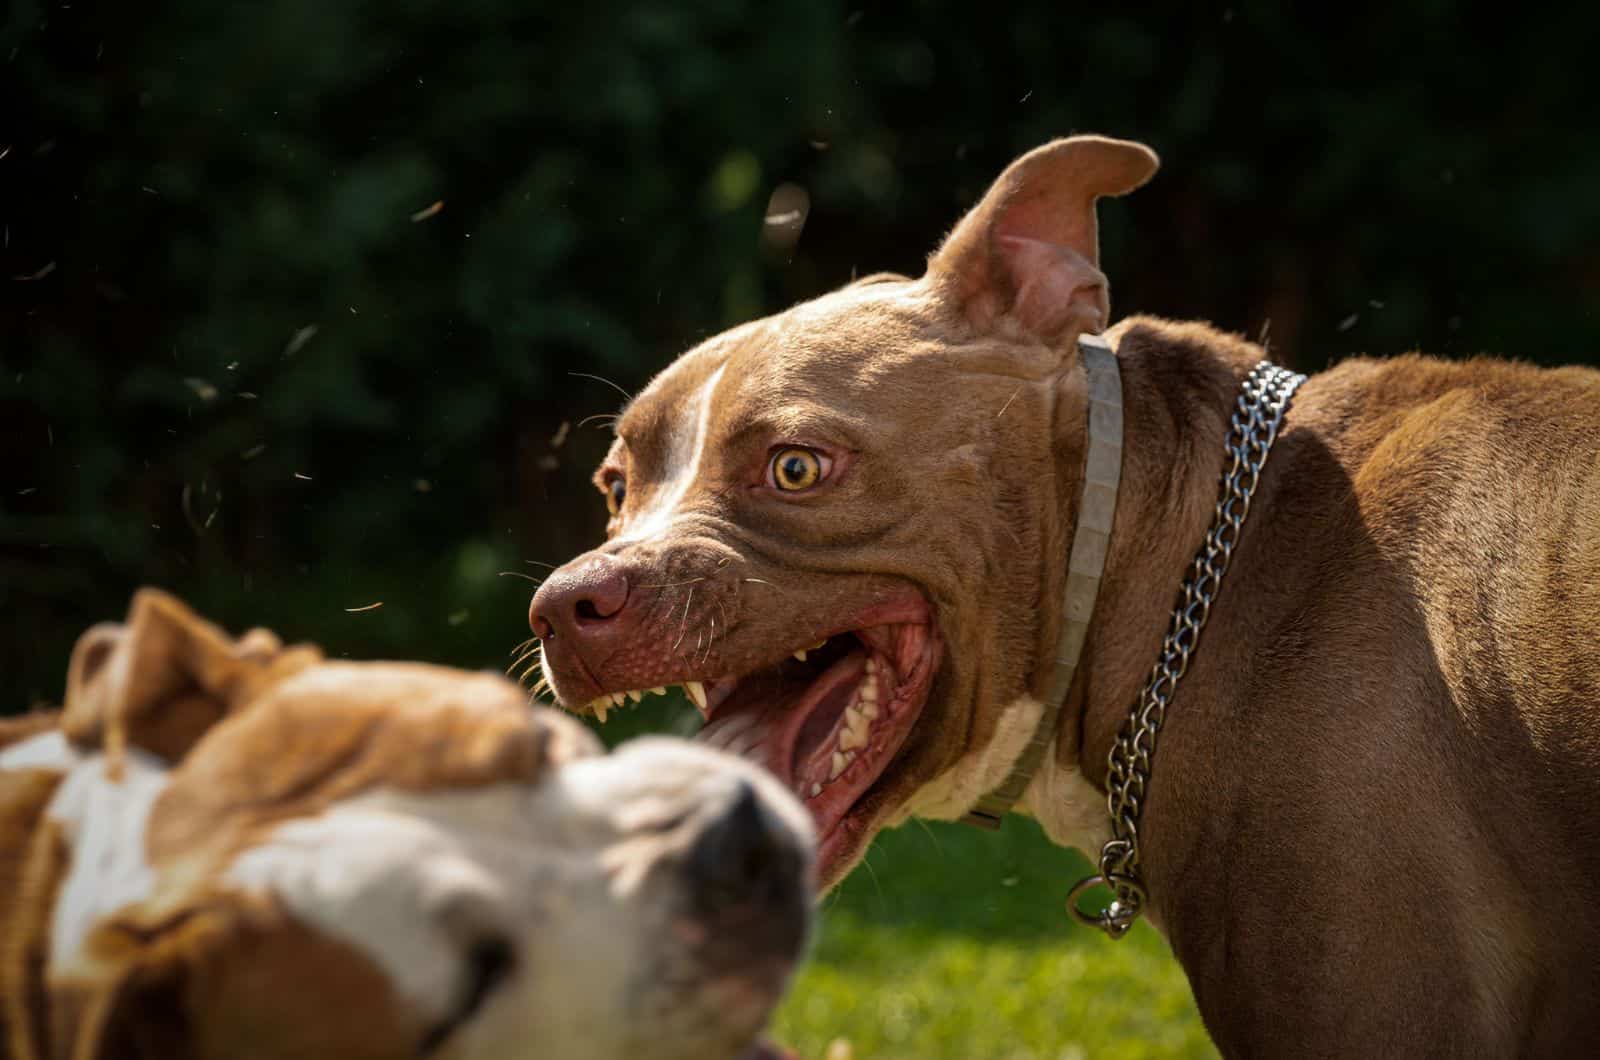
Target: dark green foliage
{"x":239,"y":294}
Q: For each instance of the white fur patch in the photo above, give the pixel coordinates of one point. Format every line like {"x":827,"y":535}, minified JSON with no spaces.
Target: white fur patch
{"x":981,"y":769}
{"x":48,"y":750}
{"x":685,"y":452}
{"x":1070,"y":810}
{"x":104,"y":824}
{"x":370,"y":877}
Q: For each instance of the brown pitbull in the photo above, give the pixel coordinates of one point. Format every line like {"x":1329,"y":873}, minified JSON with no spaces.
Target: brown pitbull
{"x":1371,"y":826}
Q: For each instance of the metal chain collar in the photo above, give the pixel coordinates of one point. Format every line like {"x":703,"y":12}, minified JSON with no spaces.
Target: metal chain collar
{"x":1263,"y":399}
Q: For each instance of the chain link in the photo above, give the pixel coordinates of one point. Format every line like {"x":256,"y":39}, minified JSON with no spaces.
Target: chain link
{"x":1263,"y":400}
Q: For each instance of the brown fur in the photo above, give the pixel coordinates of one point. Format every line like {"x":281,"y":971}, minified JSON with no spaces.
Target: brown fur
{"x":1371,"y":825}
{"x":197,"y":972}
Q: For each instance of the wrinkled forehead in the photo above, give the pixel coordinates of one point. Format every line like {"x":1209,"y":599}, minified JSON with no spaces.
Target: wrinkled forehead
{"x":819,"y":351}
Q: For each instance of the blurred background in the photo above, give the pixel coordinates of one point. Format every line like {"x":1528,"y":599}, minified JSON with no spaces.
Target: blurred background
{"x":313,"y":306}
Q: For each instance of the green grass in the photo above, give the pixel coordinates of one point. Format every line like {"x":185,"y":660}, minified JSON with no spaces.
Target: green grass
{"x":951,"y":942}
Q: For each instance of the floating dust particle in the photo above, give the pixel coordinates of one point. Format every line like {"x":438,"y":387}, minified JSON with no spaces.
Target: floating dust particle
{"x":253,"y":452}
{"x":428,"y":211}
{"x":302,"y":478}
{"x":561,"y":434}
{"x":548,"y":463}
{"x":248,"y":395}
{"x":368,"y":607}
{"x":41,"y":274}
{"x":422,"y":485}
{"x":1349,"y":322}
{"x":30,"y":489}
{"x":202,"y":389}
{"x":458,"y":617}
{"x":298,"y":340}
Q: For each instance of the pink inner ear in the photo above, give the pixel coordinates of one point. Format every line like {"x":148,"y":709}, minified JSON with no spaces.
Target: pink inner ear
{"x":1057,"y":288}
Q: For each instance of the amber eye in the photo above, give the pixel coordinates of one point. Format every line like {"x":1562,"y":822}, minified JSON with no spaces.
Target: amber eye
{"x":616,"y":493}
{"x":795,"y":469}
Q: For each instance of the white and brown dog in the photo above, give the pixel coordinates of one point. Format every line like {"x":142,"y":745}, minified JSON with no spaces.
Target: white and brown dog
{"x":231,"y":849}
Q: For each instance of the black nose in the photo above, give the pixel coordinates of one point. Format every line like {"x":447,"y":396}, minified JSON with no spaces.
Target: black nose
{"x":746,"y":856}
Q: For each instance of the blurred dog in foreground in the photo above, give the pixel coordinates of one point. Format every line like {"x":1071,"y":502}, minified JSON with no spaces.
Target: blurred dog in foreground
{"x":943,"y":546}
{"x":234,"y":849}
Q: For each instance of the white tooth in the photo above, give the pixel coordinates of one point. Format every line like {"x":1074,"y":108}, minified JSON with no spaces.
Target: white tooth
{"x":659,"y":690}
{"x":869,"y":709}
{"x":838,"y":764}
{"x":872,"y":665}
{"x":868,"y":692}
{"x":697,"y":692}
{"x":600,"y":707}
{"x":816,"y":789}
{"x":618,"y":699}
{"x":850,"y":739}
{"x":801,"y":654}
{"x":817,"y":645}
{"x":856,"y":718}
{"x":636,"y":696}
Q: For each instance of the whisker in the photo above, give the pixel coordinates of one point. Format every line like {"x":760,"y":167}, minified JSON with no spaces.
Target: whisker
{"x":521,"y":659}
{"x":524,"y":644}
{"x":683,"y":627}
{"x":607,"y":417}
{"x":519,"y":574}
{"x":670,"y":585}
{"x":536,"y":563}
{"x":758,"y":581}
{"x":602,"y":379}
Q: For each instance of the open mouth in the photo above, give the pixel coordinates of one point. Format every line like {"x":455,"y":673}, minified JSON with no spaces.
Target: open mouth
{"x":829,"y":715}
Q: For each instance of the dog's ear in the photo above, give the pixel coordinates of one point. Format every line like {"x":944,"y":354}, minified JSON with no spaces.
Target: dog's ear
{"x":162,"y":678}
{"x":1029,"y":251}
{"x":138,"y":1015}
{"x":220,"y":975}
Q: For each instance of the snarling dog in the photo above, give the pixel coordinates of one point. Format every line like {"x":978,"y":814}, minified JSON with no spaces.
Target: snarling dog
{"x":232,"y":849}
{"x":915,"y":546}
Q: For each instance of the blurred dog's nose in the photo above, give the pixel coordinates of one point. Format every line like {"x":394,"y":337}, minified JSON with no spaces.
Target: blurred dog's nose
{"x":578,"y":598}
{"x":745,"y":855}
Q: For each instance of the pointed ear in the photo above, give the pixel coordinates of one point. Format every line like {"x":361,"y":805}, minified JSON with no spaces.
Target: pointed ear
{"x":161,"y":679}
{"x":1029,"y":252}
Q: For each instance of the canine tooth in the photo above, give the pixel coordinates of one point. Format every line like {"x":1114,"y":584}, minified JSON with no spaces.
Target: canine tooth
{"x":801,"y":654}
{"x":838,"y":763}
{"x":816,"y":789}
{"x":636,"y":696}
{"x":818,"y":644}
{"x":659,"y":690}
{"x":618,"y":699}
{"x":600,"y":706}
{"x":697,"y":692}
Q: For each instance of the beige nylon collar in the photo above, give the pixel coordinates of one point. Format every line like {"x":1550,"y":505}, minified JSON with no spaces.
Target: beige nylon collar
{"x":1102,"y":473}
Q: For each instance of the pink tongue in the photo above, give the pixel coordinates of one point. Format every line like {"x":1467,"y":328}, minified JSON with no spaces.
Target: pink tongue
{"x":767,"y":729}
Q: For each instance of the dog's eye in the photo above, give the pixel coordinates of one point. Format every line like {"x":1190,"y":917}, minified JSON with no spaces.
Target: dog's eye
{"x":616,"y":493}
{"x":795,"y":468}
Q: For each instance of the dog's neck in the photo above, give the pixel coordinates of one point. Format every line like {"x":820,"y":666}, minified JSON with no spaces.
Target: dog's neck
{"x":1180,"y":383}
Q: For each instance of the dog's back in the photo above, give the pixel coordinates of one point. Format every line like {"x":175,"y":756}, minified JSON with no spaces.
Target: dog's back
{"x":1423,"y":705}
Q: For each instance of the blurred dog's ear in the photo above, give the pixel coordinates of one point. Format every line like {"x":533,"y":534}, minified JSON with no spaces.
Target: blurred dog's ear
{"x":218,"y":975}
{"x":162,"y":678}
{"x":138,"y":1015}
{"x":1029,"y":252}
